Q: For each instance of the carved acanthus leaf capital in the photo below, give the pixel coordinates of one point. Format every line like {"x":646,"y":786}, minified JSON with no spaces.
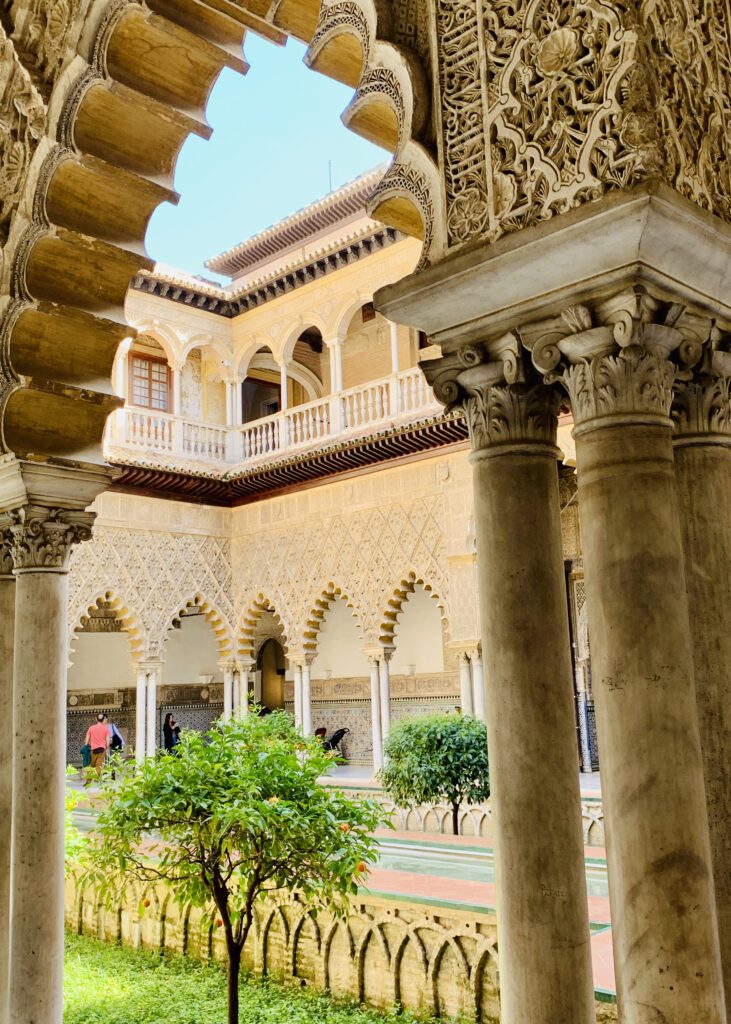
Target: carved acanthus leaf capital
{"x":634,"y":382}
{"x":6,"y":553}
{"x":512,"y":413}
{"x":42,"y":537}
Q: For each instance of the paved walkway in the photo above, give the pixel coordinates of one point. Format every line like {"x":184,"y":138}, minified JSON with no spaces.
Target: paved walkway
{"x":473,"y":895}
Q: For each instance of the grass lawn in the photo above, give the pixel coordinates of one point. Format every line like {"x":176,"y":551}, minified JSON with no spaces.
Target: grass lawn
{"x":107,"y":984}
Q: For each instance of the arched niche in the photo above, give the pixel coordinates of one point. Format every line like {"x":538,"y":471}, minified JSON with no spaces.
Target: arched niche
{"x":339,"y":645}
{"x":270,"y":666}
{"x":418,"y":636}
{"x":366,"y":347}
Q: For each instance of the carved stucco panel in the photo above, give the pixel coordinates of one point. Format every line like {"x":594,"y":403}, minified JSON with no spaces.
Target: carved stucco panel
{"x":154,"y":573}
{"x":366,"y":553}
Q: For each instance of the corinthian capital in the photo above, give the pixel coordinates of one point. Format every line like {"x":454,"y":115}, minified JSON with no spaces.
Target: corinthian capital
{"x":42,"y":537}
{"x":702,"y":405}
{"x":512,"y":414}
{"x":633,"y":382}
{"x":6,"y":553}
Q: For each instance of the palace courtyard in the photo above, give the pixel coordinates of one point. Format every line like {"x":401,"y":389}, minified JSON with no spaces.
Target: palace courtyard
{"x":453,"y":436}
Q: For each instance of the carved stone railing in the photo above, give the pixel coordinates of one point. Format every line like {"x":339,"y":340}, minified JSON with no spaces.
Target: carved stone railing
{"x":377,"y":405}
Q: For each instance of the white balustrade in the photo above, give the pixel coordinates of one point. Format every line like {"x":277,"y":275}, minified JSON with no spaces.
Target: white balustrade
{"x":149,"y":430}
{"x":202,"y":441}
{"x":261,"y":437}
{"x":366,"y":405}
{"x":414,"y":393}
{"x":397,"y":398}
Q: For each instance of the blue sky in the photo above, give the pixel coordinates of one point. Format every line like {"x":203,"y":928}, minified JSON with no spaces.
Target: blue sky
{"x":274,"y":131}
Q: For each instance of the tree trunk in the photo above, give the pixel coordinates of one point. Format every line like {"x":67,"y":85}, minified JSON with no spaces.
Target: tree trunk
{"x":234,"y":965}
{"x":455,"y":819}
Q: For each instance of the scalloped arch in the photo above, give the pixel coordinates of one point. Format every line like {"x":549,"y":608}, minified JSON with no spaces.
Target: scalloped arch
{"x":246,"y":632}
{"x":318,"y":610}
{"x":130,"y":619}
{"x":399,"y":596}
{"x":213,"y":616}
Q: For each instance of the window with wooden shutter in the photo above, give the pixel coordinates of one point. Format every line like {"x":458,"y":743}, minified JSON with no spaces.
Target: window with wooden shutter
{"x":149,"y":382}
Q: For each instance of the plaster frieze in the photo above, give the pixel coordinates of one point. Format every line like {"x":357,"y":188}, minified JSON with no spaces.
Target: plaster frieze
{"x":42,"y":538}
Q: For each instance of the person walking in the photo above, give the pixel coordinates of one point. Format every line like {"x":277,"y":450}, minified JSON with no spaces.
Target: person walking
{"x":170,"y":733}
{"x":97,"y":736}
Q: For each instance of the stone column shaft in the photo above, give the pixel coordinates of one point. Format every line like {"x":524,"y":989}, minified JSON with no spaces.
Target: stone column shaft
{"x":228,"y":692}
{"x":376,"y":716}
{"x":306,"y":699}
{"x":140,"y":715}
{"x":39,"y":756}
{"x":478,"y":687}
{"x":298,"y":695}
{"x":151,"y":729}
{"x":703,"y":474}
{"x":544,"y":951}
{"x":384,"y":686}
{"x":465,"y":684}
{"x":7,"y":627}
{"x":664,"y":925}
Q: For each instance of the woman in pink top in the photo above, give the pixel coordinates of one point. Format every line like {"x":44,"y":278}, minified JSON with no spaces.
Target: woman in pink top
{"x":97,"y":736}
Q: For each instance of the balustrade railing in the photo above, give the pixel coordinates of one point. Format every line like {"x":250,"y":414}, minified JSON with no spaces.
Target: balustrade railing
{"x":399,"y":398}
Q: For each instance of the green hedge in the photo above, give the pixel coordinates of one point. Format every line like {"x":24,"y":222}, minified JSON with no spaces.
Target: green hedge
{"x":107,"y":984}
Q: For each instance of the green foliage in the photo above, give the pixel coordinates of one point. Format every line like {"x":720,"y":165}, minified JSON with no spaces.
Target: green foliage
{"x":75,"y":842}
{"x":110,"y":985}
{"x":235,"y":815}
{"x":437,"y":758}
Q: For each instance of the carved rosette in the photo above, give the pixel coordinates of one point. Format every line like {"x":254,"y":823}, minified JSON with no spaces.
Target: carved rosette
{"x":42,"y":538}
{"x":512,"y":414}
{"x":634,"y":381}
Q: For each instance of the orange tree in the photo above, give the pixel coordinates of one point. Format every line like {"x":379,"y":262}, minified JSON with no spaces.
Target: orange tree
{"x":235,"y":815}
{"x":434,"y":758}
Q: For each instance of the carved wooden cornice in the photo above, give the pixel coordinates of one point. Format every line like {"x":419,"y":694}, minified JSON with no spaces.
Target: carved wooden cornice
{"x":233,"y":304}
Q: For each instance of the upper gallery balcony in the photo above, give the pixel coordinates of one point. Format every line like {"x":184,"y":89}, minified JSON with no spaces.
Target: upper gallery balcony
{"x":162,"y":439}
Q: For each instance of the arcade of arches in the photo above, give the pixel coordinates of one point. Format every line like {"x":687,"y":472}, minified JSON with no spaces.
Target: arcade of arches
{"x":563,"y":163}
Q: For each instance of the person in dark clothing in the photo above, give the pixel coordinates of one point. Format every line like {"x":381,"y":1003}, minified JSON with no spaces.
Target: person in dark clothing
{"x":170,"y":733}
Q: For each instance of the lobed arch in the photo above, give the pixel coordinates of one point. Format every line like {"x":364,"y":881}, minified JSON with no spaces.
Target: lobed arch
{"x":104,"y":139}
{"x":399,"y":596}
{"x":247,"y":645}
{"x":213,"y":616}
{"x":318,"y":609}
{"x":130,"y":619}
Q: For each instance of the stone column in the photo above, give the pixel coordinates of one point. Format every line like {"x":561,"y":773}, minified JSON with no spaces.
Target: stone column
{"x":228,"y":691}
{"x":246,"y":673}
{"x":236,"y":696}
{"x":478,"y":685}
{"x":664,"y":924}
{"x":394,"y":348}
{"x":151,"y":729}
{"x":702,"y":414}
{"x":335,"y":348}
{"x":376,"y":715}
{"x":284,"y":398}
{"x":465,"y":683}
{"x":298,"y":694}
{"x":384,"y":687}
{"x":140,"y":714}
{"x":42,"y":540}
{"x":7,"y":626}
{"x":543,"y":940}
{"x":307,"y":696}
